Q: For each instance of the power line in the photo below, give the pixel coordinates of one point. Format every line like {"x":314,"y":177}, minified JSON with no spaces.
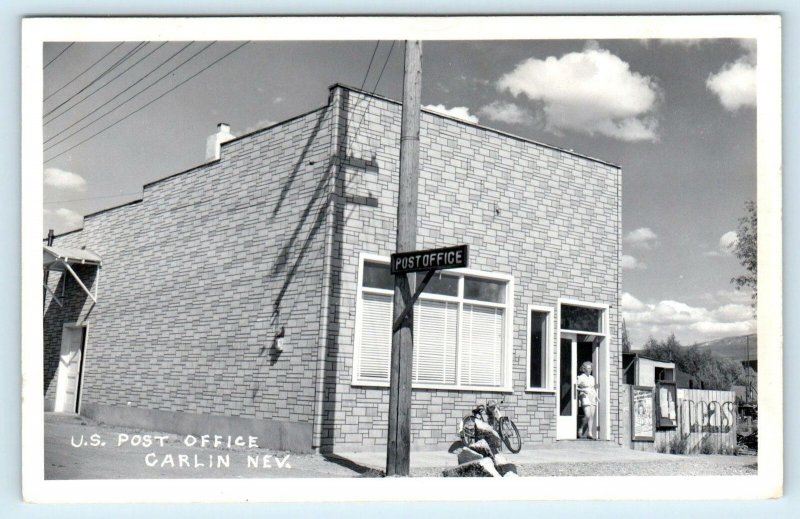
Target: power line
{"x":98,"y":78}
{"x":134,"y":96}
{"x":370,"y":64}
{"x":106,"y":83}
{"x":91,"y":198}
{"x":58,"y":55}
{"x":151,"y":102}
{"x":85,"y":71}
{"x":384,"y":68}
{"x":357,"y":126}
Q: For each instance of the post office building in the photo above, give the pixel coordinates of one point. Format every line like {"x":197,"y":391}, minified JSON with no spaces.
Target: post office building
{"x":253,"y":294}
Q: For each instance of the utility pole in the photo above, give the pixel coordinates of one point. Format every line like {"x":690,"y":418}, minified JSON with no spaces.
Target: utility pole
{"x":748,"y":387}
{"x":399,"y":440}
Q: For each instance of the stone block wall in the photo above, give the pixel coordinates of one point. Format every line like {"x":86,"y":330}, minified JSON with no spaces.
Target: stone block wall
{"x":202,"y":274}
{"x":549,"y":218}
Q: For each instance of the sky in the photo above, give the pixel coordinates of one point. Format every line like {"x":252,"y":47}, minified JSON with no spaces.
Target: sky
{"x":678,"y":116}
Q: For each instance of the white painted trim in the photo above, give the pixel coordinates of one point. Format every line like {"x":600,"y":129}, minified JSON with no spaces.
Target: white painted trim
{"x":55,"y":297}
{"x":61,"y":373}
{"x":605,"y":389}
{"x":549,"y":383}
{"x":483,"y":389}
{"x":82,"y":367}
{"x":362,"y":258}
{"x":508,"y":308}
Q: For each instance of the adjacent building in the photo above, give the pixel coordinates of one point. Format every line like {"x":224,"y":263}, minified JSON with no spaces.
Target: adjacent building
{"x":252,"y":293}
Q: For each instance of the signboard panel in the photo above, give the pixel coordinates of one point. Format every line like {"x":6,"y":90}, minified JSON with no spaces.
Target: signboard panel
{"x":666,"y":405}
{"x":642,"y":417}
{"x":432,"y":259}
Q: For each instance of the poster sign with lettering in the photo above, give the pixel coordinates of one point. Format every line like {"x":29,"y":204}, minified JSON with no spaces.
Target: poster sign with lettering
{"x":642,"y":416}
{"x":666,"y":405}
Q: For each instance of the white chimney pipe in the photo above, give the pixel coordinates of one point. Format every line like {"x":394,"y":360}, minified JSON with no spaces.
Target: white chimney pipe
{"x":213,"y":143}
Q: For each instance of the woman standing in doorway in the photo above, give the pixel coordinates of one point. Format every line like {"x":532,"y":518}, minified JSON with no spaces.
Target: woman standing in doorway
{"x":587,"y":399}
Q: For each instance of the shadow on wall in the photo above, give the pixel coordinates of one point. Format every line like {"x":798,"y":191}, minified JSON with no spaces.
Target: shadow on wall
{"x":293,"y":254}
{"x":74,"y":301}
{"x":335,"y":310}
{"x":296,"y":250}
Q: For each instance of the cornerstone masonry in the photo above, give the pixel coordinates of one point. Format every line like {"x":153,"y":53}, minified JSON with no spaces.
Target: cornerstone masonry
{"x":248,"y":295}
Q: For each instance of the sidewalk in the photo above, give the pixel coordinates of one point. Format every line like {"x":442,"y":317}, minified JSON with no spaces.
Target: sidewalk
{"x":562,"y":452}
{"x":79,"y":448}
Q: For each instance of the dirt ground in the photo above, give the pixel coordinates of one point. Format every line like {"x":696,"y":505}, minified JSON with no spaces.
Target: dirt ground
{"x":72,"y":452}
{"x":79,"y":448}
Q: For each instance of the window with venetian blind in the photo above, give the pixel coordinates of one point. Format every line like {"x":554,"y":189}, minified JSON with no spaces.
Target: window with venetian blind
{"x":460,"y":330}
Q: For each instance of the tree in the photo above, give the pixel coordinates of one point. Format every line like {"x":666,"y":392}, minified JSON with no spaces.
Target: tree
{"x":626,"y":341}
{"x":746,"y":250}
{"x":709,"y":369}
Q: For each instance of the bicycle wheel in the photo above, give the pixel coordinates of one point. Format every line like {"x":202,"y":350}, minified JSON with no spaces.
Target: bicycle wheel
{"x":510,"y":435}
{"x":468,"y":431}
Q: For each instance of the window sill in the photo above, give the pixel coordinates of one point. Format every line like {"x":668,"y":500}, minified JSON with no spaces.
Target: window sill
{"x":474,"y":389}
{"x":540,"y":390}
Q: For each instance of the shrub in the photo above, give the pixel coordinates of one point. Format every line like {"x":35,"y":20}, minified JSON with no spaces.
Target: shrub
{"x":707,"y":446}
{"x":679,"y":444}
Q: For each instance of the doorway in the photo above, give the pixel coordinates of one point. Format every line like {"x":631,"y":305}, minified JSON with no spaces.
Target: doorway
{"x":574,"y":350}
{"x":70,"y":368}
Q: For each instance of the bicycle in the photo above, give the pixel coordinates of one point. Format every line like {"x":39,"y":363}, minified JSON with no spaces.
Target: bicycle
{"x":491,"y":414}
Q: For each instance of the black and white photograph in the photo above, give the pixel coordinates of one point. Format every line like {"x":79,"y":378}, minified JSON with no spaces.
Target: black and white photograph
{"x":389,"y":252}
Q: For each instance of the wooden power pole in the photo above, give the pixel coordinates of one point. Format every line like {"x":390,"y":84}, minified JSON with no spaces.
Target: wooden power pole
{"x":399,"y":441}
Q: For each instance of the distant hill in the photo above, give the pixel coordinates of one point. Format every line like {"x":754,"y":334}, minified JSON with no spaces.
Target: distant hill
{"x":734,"y":348}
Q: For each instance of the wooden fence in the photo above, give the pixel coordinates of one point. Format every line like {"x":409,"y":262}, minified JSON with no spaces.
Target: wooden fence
{"x":706,"y":422}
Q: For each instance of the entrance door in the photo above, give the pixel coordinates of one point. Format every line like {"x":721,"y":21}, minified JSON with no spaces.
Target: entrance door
{"x":69,"y":369}
{"x":575,"y":349}
{"x":566,"y":425}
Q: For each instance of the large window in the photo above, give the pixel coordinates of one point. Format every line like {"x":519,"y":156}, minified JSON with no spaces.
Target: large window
{"x":540,"y":343}
{"x":461,"y":329}
{"x":581,"y":318}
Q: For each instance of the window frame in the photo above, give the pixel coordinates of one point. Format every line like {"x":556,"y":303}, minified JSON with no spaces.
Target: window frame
{"x":549,"y":385}
{"x":508,"y":309}
{"x":596,"y":306}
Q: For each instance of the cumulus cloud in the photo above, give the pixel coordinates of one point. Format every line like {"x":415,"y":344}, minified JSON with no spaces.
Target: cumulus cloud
{"x":507,"y":113}
{"x":592,"y":91}
{"x":61,"y":179}
{"x":682,"y":42}
{"x":732,"y":313}
{"x":631,"y":263}
{"x":728,"y":241}
{"x":725,"y":246}
{"x":690,"y":324}
{"x":631,"y":304}
{"x":259,"y":125}
{"x":63,"y":218}
{"x":735,"y":296}
{"x":735,"y":83}
{"x":642,"y":238}
{"x":458,"y":112}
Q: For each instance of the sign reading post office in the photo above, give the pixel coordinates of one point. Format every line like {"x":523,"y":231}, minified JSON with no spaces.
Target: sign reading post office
{"x":432,"y":259}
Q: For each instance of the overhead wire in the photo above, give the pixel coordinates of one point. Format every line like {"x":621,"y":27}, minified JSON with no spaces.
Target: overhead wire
{"x":91,"y":198}
{"x":104,"y":56}
{"x":151,"y":102}
{"x":58,"y":55}
{"x":134,"y":96}
{"x":357,"y":126}
{"x":107,"y":82}
{"x":98,"y":78}
{"x":375,"y":50}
